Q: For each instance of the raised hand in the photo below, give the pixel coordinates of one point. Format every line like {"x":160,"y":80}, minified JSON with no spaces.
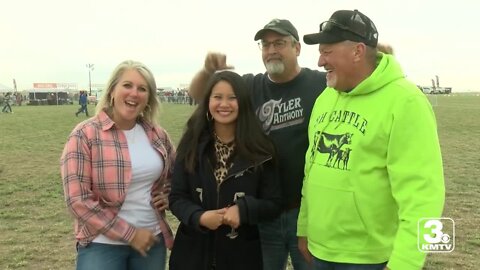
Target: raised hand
{"x":216,"y":61}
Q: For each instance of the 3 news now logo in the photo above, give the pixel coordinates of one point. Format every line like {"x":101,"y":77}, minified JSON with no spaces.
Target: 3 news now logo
{"x":436,"y":235}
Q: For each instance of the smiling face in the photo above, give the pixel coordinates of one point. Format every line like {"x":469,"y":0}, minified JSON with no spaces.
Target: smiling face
{"x":223,"y":105}
{"x":338,"y":60}
{"x":130,"y":97}
{"x":279,"y":53}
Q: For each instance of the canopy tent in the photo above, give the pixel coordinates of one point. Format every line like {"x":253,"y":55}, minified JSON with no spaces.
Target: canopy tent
{"x":5,"y":89}
{"x":48,"y":96}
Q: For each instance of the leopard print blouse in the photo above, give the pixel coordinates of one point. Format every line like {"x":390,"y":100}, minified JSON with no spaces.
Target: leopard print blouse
{"x":223,"y":152}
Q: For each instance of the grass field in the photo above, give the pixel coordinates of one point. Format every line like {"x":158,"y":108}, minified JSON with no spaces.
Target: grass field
{"x":36,"y":230}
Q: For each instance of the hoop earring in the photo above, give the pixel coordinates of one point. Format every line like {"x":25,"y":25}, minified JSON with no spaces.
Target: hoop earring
{"x":145,"y":110}
{"x":209,"y":117}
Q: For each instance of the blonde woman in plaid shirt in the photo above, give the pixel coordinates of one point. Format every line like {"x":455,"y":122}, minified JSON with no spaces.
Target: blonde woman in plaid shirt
{"x":116,"y":169}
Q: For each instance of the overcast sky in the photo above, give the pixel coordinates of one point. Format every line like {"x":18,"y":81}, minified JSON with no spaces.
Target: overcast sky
{"x":51,"y":41}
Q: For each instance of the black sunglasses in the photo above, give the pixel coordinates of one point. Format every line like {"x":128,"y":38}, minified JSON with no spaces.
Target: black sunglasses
{"x":329,"y":25}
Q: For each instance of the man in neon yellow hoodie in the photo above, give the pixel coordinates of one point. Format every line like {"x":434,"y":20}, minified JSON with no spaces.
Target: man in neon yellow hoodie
{"x":373,"y":167}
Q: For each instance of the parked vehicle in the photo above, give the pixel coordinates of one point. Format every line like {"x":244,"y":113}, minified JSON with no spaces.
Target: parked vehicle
{"x":435,"y":90}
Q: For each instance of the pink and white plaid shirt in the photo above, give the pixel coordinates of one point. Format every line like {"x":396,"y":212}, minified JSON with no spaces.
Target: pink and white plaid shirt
{"x":96,"y":172}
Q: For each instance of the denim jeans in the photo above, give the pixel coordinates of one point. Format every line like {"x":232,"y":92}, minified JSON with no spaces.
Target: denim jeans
{"x":319,"y":264}
{"x":279,"y":239}
{"x":7,"y":108}
{"x":97,"y":256}
{"x":84,"y":109}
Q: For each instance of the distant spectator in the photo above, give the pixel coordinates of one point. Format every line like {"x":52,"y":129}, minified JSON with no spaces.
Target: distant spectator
{"x":19,"y":99}
{"x":190,"y":99}
{"x":83,"y":101}
{"x":6,"y":100}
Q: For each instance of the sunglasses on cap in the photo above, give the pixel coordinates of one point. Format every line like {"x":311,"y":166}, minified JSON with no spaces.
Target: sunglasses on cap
{"x":329,"y":25}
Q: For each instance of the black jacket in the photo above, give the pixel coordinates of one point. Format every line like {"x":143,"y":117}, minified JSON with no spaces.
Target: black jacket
{"x":196,"y":247}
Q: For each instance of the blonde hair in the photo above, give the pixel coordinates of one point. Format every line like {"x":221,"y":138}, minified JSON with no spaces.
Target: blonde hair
{"x":151,"y":111}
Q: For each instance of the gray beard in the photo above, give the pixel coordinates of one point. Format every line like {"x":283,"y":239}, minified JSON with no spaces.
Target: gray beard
{"x":275,"y":67}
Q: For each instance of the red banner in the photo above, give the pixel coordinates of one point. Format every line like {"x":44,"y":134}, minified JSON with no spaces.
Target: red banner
{"x":44,"y":85}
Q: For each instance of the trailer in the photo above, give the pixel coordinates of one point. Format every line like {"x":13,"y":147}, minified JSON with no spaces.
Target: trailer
{"x":435,"y":88}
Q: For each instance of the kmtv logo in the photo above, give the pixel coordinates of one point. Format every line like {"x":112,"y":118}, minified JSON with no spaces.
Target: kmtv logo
{"x":436,"y":235}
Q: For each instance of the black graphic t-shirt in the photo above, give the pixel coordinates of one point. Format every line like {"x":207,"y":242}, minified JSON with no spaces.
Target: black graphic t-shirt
{"x":284,"y":111}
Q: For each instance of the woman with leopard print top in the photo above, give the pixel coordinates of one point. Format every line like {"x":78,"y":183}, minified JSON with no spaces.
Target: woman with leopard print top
{"x":224,"y":182}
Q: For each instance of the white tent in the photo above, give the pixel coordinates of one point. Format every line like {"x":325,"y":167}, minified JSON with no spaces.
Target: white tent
{"x":5,"y":89}
{"x":42,"y":95}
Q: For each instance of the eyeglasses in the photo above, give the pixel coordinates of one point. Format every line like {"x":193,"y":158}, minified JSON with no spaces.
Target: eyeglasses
{"x":277,"y":44}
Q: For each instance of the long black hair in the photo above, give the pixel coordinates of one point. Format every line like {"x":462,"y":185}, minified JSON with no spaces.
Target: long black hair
{"x":251,"y":142}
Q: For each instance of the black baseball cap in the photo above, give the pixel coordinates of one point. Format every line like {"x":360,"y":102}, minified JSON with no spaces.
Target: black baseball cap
{"x":345,"y":25}
{"x":283,"y":27}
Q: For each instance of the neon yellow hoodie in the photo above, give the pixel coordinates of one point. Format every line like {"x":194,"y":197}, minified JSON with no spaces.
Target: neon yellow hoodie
{"x":373,"y":169}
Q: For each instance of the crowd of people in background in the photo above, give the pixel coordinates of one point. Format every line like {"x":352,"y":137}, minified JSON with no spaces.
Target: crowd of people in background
{"x":179,"y":97}
{"x":9,"y":99}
